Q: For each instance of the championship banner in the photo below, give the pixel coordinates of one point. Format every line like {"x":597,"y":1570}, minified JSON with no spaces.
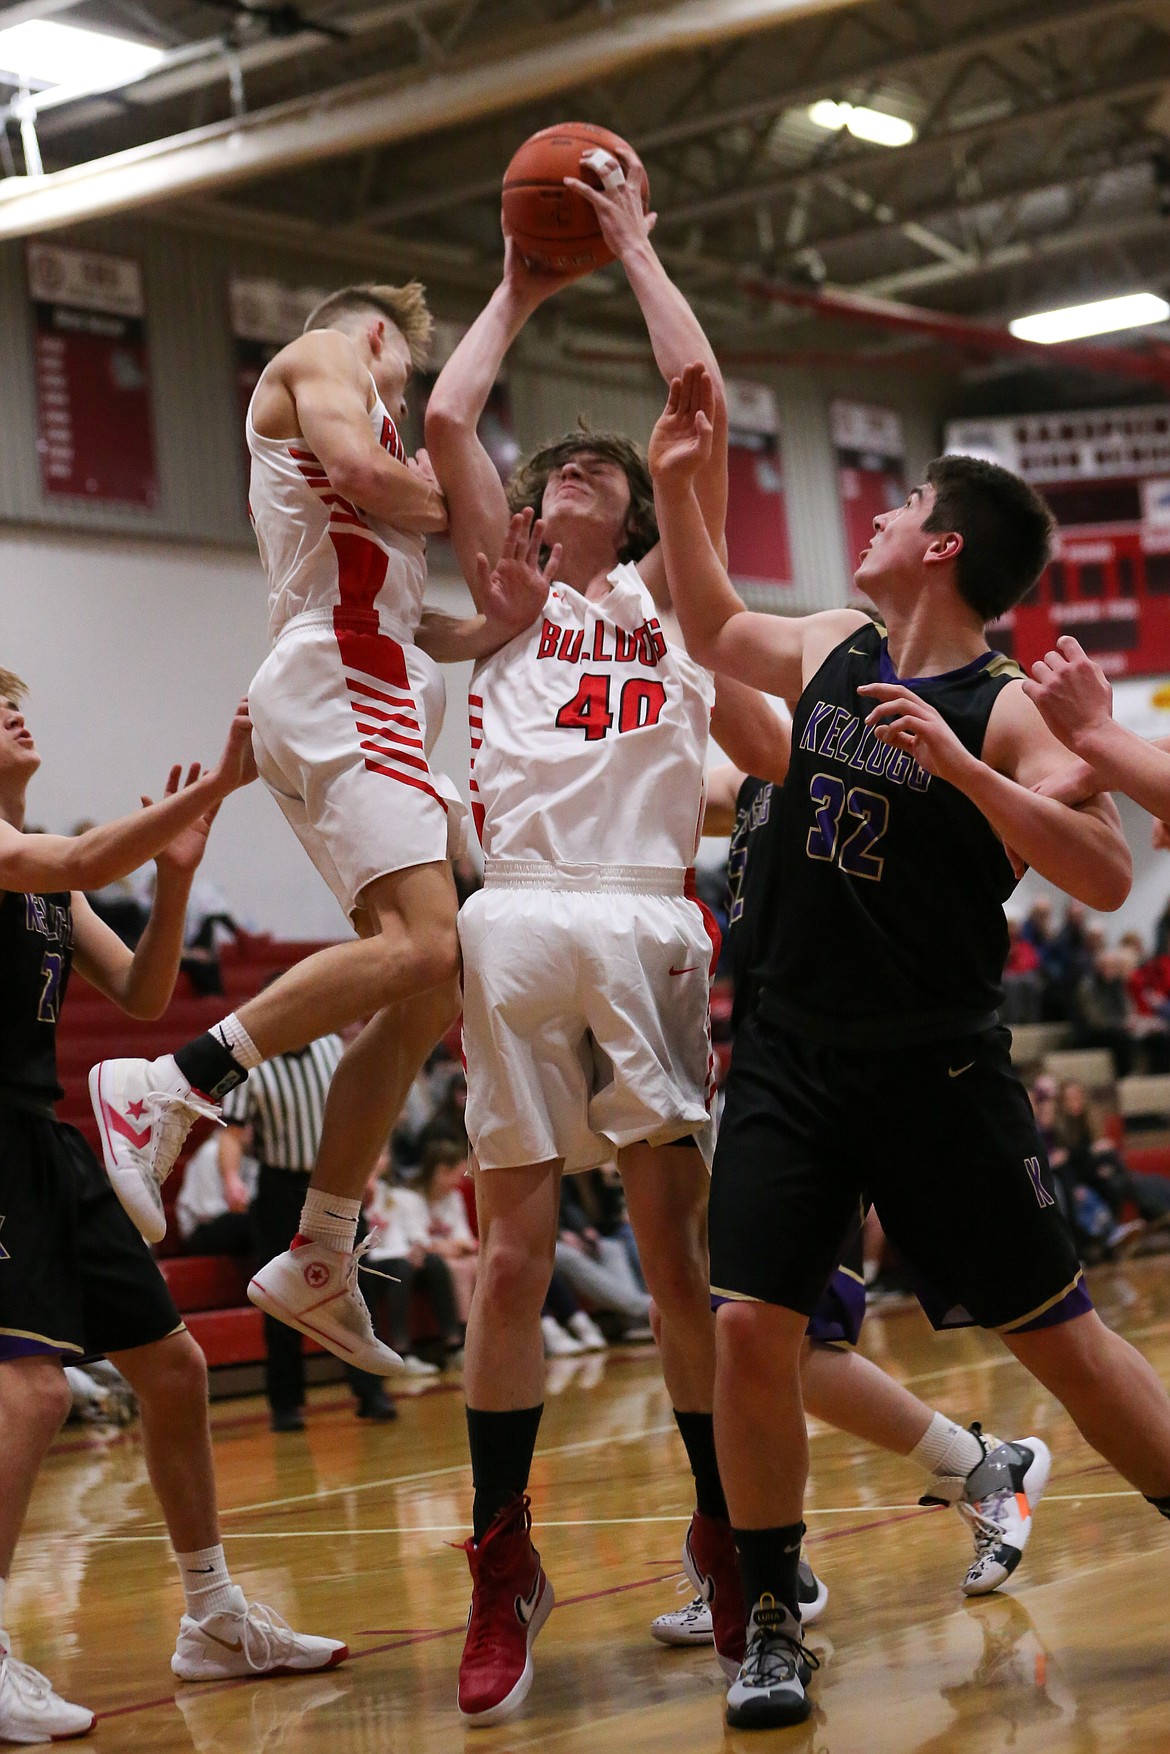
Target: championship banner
{"x":759,"y":554}
{"x":95,"y":430}
{"x":871,"y":468}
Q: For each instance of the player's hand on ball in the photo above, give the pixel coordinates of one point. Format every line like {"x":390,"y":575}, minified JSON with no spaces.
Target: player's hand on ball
{"x":1072,"y":693}
{"x":516,"y":589}
{"x":619,"y":212}
{"x":681,"y":441}
{"x":531,"y":285}
{"x":906,"y":721}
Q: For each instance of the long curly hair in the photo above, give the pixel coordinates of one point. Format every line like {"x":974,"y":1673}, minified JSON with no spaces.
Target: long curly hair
{"x":526,"y":488}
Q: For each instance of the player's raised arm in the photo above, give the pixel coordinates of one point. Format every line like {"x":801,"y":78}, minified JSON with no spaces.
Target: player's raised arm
{"x":43,"y":863}
{"x":477,"y":504}
{"x":772,"y":652}
{"x":1082,"y":850}
{"x":330,"y":390}
{"x":723,"y":785}
{"x":1075,"y":700}
{"x":676,"y":335}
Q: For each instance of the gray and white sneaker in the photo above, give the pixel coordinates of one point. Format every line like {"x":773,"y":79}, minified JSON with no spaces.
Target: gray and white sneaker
{"x":691,"y":1625}
{"x":769,"y":1690}
{"x":996,"y":1499}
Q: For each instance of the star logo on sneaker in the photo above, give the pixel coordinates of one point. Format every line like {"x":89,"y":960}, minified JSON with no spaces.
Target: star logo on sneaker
{"x":317,"y":1275}
{"x":526,"y":1605}
{"x":136,"y":1110}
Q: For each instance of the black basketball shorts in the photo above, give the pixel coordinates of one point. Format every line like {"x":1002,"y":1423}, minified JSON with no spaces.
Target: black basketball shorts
{"x":940,"y":1137}
{"x":75,"y":1276}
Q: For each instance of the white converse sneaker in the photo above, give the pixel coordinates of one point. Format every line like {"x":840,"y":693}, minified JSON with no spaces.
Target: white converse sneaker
{"x":144,"y":1109}
{"x":30,"y":1711}
{"x":249,"y":1639}
{"x":769,"y":1690}
{"x":315,"y":1290}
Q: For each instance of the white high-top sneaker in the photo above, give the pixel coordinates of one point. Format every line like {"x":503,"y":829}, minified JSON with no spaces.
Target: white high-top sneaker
{"x":249,"y":1639}
{"x":144,"y":1109}
{"x":315,"y":1290}
{"x":30,"y":1711}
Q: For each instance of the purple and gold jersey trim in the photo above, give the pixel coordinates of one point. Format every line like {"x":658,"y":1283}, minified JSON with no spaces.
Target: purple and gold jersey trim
{"x":1073,"y":1301}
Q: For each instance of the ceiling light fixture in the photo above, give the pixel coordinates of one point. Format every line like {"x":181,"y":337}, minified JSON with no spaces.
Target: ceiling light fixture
{"x":1104,"y":315}
{"x":41,"y":52}
{"x":876,"y":126}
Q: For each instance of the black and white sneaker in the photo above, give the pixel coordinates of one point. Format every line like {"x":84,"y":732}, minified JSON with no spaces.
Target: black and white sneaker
{"x":996,"y":1500}
{"x":692,"y":1625}
{"x":769,"y":1690}
{"x":812,"y":1595}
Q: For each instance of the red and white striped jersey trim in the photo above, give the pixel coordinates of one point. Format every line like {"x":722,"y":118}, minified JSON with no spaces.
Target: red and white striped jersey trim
{"x":384,"y":710}
{"x":475,"y":726}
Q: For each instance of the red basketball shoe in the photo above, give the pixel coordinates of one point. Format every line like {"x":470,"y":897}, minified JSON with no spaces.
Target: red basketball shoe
{"x":511,"y":1599}
{"x":709,"y":1560}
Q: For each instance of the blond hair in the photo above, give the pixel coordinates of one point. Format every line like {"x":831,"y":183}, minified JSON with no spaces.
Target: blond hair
{"x":11,"y":687}
{"x":404,"y":306}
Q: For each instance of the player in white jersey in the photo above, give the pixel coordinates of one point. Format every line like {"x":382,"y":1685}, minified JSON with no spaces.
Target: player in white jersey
{"x":345,"y":711}
{"x":586,"y":959}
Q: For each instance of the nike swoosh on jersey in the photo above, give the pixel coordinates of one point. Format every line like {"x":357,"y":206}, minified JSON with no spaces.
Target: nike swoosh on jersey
{"x":957,"y":1071}
{"x":689,"y":969}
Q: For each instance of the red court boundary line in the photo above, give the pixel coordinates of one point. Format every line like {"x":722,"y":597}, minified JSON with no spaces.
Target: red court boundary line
{"x":397,"y":1641}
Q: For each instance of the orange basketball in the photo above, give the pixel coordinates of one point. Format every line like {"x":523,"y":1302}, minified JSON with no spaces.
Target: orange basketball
{"x":554,"y":227}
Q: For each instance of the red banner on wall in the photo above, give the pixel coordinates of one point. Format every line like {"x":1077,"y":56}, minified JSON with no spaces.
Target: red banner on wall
{"x":95,"y":429}
{"x":759,"y":553}
{"x":871,"y":472}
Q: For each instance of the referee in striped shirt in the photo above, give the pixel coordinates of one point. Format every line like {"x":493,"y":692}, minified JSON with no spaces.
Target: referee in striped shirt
{"x":283,"y":1102}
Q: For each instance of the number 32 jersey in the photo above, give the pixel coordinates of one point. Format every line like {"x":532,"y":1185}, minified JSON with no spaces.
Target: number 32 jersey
{"x":589,"y":735}
{"x":881,"y":923}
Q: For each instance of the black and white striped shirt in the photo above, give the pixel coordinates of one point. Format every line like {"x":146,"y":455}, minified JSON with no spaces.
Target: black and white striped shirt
{"x":284,"y":1101}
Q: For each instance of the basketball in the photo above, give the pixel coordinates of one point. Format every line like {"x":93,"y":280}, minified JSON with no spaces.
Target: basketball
{"x":554,"y":227}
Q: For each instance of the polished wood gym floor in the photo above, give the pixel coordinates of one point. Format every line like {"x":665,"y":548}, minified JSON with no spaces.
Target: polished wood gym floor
{"x":344,"y":1529}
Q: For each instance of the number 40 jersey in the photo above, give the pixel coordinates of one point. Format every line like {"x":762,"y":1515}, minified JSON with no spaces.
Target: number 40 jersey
{"x":589,"y":735}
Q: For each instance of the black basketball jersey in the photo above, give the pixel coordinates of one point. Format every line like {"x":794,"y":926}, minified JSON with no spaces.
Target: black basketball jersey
{"x":36,"y":954}
{"x":757,"y":809}
{"x":882,"y":890}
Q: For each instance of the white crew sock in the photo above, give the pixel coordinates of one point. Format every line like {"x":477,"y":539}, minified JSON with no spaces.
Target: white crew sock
{"x":946,"y":1449}
{"x":206,"y":1582}
{"x":330,"y":1220}
{"x":238,"y":1042}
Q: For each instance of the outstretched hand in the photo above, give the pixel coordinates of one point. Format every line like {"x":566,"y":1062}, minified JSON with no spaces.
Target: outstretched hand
{"x":530,"y":284}
{"x":515,"y":590}
{"x":237,"y":764}
{"x":681,"y":441}
{"x":182,"y":855}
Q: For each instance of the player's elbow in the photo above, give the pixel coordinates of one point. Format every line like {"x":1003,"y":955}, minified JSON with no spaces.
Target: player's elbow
{"x":446,"y":423}
{"x":1110,"y":882}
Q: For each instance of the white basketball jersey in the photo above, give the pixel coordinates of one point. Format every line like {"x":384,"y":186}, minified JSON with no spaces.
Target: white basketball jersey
{"x":589,"y":735}
{"x":319,"y":550}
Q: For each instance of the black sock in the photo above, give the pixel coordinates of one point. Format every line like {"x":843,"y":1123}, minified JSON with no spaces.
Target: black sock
{"x":1161,"y":1505}
{"x":502,"y":1446}
{"x":210,"y":1067}
{"x":767,"y":1564}
{"x":697,"y":1431}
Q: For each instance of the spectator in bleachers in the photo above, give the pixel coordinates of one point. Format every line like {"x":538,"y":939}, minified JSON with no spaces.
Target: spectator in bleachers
{"x":1102,"y":1011}
{"x":1023,"y":980}
{"x":447,"y":1121}
{"x":1095,"y":1161}
{"x":597,"y":1266}
{"x":400,"y":1220}
{"x":213,"y":1210}
{"x":449,"y":1232}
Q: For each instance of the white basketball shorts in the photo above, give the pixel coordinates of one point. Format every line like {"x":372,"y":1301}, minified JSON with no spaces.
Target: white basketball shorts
{"x":343,"y":716}
{"x":586,"y":1020}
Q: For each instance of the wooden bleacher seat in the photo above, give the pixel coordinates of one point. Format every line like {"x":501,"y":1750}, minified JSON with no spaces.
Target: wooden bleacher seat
{"x":1145,"y":1097}
{"x":1092,"y":1067}
{"x":1031,"y":1041}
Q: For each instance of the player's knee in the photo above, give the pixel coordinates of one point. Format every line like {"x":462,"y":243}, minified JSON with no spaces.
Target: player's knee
{"x":678,"y":1281}
{"x":176,"y":1377}
{"x":748,"y":1343}
{"x":35,"y":1395}
{"x":513,"y":1279}
{"x":53,"y":1398}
